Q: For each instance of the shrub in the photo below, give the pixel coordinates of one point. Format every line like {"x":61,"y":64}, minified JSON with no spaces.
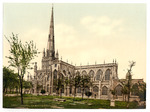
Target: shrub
{"x":42,"y":91}
{"x":88,"y":94}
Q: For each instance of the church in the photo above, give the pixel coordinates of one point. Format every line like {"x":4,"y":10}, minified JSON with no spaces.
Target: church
{"x":104,"y":76}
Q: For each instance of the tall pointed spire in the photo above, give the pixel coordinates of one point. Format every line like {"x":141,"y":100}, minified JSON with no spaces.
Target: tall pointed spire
{"x":51,"y":32}
{"x":51,"y":44}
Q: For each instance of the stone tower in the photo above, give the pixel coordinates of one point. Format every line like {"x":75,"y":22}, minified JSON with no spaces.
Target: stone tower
{"x":49,"y":52}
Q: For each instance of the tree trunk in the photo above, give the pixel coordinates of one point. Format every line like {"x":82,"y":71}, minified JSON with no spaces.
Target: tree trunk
{"x":128,"y":97}
{"x":4,"y":89}
{"x":17,"y":91}
{"x":82,"y":93}
{"x":21,"y":90}
{"x":74,"y":92}
{"x":66,"y":91}
{"x":60,"y":92}
{"x":129,"y":90}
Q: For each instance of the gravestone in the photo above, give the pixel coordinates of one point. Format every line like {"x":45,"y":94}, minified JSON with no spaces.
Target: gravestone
{"x":112,"y":103}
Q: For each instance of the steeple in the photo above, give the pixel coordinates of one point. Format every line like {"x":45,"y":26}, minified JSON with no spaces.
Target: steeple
{"x":51,"y":30}
{"x":51,"y":44}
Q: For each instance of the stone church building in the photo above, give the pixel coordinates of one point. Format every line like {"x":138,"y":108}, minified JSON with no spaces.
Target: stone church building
{"x":104,"y":76}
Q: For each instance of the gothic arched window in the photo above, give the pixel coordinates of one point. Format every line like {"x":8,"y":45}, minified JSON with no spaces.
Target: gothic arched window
{"x":87,"y":89}
{"x":79,"y":90}
{"x":54,"y":89}
{"x":70,"y":90}
{"x":91,"y":73}
{"x":45,"y":80}
{"x":118,"y":90}
{"x":135,"y":89}
{"x":95,"y":89}
{"x":84,"y":73}
{"x":48,"y":77}
{"x":47,"y":87}
{"x":107,"y":74}
{"x":98,"y":74}
{"x":104,"y":90}
{"x":55,"y":74}
{"x":40,"y":76}
{"x":64,"y":72}
{"x":69,"y":75}
{"x":61,"y":76}
{"x":77,"y":73}
{"x":62,"y":89}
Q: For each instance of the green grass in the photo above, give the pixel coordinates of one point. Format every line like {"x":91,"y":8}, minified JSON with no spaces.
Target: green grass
{"x":31,"y":101}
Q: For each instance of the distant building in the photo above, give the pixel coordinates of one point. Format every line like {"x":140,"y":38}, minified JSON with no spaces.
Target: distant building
{"x":104,"y":76}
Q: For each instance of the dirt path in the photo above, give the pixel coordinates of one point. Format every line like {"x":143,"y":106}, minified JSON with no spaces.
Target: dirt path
{"x":12,"y":95}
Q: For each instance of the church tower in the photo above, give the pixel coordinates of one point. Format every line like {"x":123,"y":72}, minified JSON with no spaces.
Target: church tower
{"x":49,"y":52}
{"x":51,"y":45}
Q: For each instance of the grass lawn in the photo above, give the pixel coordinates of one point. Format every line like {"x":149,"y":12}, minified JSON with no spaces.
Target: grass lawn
{"x":31,"y":101}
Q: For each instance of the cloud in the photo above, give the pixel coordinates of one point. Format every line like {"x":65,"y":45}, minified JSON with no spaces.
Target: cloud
{"x":65,"y":33}
{"x":102,"y":26}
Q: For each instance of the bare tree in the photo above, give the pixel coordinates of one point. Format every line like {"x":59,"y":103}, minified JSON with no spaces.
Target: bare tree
{"x":129,"y":77}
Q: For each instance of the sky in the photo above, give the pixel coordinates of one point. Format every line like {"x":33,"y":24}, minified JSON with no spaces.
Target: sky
{"x":84,"y":33}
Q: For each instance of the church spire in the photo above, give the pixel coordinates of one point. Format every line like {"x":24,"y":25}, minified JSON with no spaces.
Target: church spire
{"x":51,"y":32}
{"x":51,"y":44}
